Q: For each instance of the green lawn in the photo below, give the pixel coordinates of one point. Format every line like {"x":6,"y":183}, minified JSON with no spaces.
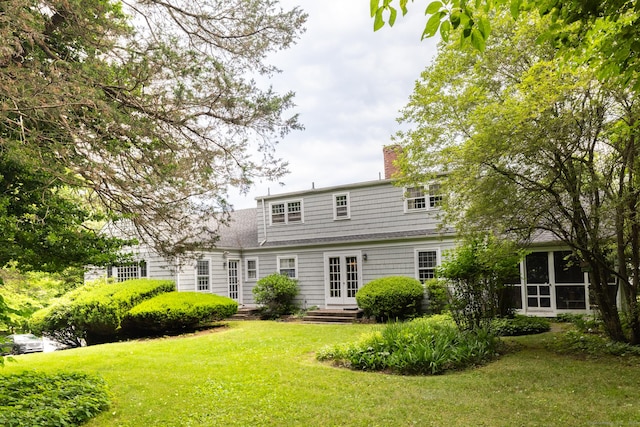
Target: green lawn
{"x":265,"y":374}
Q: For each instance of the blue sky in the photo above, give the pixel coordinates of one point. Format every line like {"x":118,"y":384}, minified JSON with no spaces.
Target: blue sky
{"x":350,"y":84}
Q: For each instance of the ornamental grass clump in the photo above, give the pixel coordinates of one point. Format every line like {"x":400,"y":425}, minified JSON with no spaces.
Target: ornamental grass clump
{"x":427,"y":346}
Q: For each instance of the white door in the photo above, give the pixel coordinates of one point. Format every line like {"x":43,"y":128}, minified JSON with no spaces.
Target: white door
{"x":343,"y":277}
{"x":539,"y":296}
{"x":233,"y":275}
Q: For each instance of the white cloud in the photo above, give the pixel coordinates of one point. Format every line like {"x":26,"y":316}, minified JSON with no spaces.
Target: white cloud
{"x":350,"y":84}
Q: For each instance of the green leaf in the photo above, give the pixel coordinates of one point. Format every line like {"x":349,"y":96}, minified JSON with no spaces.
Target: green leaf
{"x":445,"y":30}
{"x":477,"y":40}
{"x":515,"y":8}
{"x":484,"y":27}
{"x":392,"y":16}
{"x":403,"y":6}
{"x":432,"y":25}
{"x":455,"y":18}
{"x":379,"y":21}
{"x":433,"y":7}
{"x":373,"y":5}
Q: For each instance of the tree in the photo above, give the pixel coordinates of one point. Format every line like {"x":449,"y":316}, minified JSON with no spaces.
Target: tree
{"x":146,"y":109}
{"x":45,"y":225}
{"x":479,"y":271}
{"x":531,"y":145}
{"x":602,"y":33}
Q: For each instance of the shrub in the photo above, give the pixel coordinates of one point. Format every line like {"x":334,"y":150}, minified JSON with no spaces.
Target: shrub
{"x":176,"y":311}
{"x":430,"y":345}
{"x":393,"y":297}
{"x":477,"y":272}
{"x":584,"y":322}
{"x":520,"y":325}
{"x":575,"y":342}
{"x":276,"y":293}
{"x":94,"y":312}
{"x":438,"y":296}
{"x":38,"y":399}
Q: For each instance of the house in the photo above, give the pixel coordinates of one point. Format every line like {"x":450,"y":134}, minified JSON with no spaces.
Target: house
{"x":336,"y":239}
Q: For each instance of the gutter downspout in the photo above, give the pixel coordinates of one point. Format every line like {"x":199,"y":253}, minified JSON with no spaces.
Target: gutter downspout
{"x":177,"y":275}
{"x":264,"y":223}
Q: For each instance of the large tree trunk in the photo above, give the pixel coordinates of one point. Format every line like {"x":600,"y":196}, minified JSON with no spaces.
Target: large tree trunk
{"x":606,"y":304}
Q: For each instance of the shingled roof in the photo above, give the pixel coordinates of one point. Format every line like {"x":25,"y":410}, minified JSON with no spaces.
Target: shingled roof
{"x":242,"y":230}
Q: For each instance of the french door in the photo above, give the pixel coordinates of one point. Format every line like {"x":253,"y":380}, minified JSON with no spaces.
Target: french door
{"x":343,"y":277}
{"x":233,"y":279}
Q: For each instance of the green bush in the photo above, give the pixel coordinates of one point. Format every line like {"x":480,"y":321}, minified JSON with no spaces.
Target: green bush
{"x":438,"y":296}
{"x":276,"y":294}
{"x":37,"y":399}
{"x":584,"y":322}
{"x":430,"y":345}
{"x":389,"y":298}
{"x":176,"y":311}
{"x":520,"y":325}
{"x":577,"y":343}
{"x":94,"y":311}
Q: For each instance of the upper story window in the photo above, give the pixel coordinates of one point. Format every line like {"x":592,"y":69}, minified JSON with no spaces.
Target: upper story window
{"x":341,"y":206}
{"x":286,"y":212}
{"x":422,"y":198}
{"x":435,"y":195}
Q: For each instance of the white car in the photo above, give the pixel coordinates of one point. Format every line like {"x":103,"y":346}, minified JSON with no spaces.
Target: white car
{"x":23,"y":343}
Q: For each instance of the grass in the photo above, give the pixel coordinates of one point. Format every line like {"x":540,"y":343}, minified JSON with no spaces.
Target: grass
{"x":265,"y":374}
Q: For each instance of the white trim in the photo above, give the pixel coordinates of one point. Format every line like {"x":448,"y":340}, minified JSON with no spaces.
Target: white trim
{"x":285,"y":204}
{"x":416,"y":266}
{"x":209,"y":284}
{"x":426,"y":195}
{"x":295,"y":259}
{"x":335,"y":206}
{"x":246,"y":269}
{"x":344,"y":299}
{"x":238,"y":262}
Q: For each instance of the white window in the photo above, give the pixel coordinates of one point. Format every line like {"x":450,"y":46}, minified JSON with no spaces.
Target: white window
{"x":415,"y":199}
{"x":288,"y":266}
{"x":435,"y":196}
{"x":128,"y":272}
{"x":202,"y":275}
{"x":422,"y":198}
{"x":252,"y":269}
{"x":286,"y":212}
{"x":426,"y":263}
{"x":341,"y":206}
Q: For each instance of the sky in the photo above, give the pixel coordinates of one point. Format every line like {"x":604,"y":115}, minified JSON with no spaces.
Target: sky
{"x":350,"y":84}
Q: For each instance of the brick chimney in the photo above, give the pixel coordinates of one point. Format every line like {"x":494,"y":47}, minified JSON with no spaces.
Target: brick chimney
{"x":391,"y":153}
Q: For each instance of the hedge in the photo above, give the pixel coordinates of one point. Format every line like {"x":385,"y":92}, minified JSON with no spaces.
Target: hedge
{"x":391,"y":298}
{"x":94,"y":312}
{"x":176,"y":311}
